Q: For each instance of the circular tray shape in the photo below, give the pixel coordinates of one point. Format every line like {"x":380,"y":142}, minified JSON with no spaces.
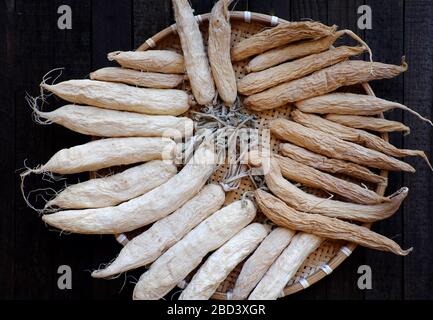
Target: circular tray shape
{"x":331,"y":253}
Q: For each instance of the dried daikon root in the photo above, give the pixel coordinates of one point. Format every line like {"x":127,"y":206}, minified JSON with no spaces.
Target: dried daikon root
{"x":330,"y":165}
{"x":143,"y":210}
{"x":368,"y":123}
{"x":196,"y":61}
{"x":219,"y":52}
{"x":163,"y":234}
{"x":283,"y":215}
{"x":218,"y":266}
{"x":162,"y":61}
{"x":345,"y":73}
{"x":262,"y":80}
{"x":114,"y":189}
{"x":182,"y":258}
{"x":138,"y":78}
{"x":353,"y":135}
{"x":283,"y":33}
{"x":333,"y":147}
{"x":119,"y":96}
{"x":256,"y":266}
{"x":284,"y":268}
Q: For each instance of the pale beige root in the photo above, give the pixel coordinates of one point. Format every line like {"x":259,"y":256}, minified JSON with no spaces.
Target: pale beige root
{"x":219,"y":52}
{"x":262,"y":80}
{"x":219,"y":265}
{"x":162,"y":61}
{"x":330,"y":165}
{"x":143,"y":210}
{"x":283,"y":215}
{"x":196,"y":61}
{"x":105,"y":153}
{"x":303,"y":201}
{"x":301,"y":49}
{"x":345,"y":73}
{"x":148,"y":246}
{"x":256,"y":266}
{"x":368,"y":123}
{"x":119,"y":96}
{"x":101,"y":122}
{"x":272,"y":285}
{"x":182,"y":258}
{"x":352,"y":104}
{"x":112,"y":190}
{"x":138,"y":78}
{"x":362,"y":137}
{"x":283,"y":33}
{"x":310,"y":177}
{"x":333,"y":147}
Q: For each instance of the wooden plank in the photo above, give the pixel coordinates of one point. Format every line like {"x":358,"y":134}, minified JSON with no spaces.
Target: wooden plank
{"x":7,"y":140}
{"x":201,"y":6}
{"x":310,"y":10}
{"x":387,"y":42}
{"x":418,"y":83}
{"x":279,"y":8}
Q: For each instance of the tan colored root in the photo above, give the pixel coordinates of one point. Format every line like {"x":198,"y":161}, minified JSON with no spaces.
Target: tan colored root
{"x":283,"y":33}
{"x":196,"y":61}
{"x":259,"y":81}
{"x":352,"y":104}
{"x":345,"y":73}
{"x":306,"y":202}
{"x":330,"y":165}
{"x":283,"y":215}
{"x":368,"y":123}
{"x":138,"y":78}
{"x":333,"y":147}
{"x":163,"y":61}
{"x":219,"y":52}
{"x":354,"y":135}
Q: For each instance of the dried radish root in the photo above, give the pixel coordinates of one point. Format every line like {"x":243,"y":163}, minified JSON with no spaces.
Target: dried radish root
{"x":283,"y":215}
{"x":112,"y":190}
{"x":219,"y":52}
{"x":354,"y":135}
{"x":284,"y":268}
{"x":330,"y":165}
{"x":345,"y":73}
{"x":218,"y":266}
{"x":112,"y":123}
{"x":105,"y":153}
{"x":259,"y":81}
{"x":152,"y":206}
{"x":283,"y":33}
{"x":196,"y":61}
{"x":182,"y":258}
{"x":256,"y":266}
{"x":163,"y":234}
{"x":352,"y":104}
{"x":368,"y":123}
{"x":162,"y":61}
{"x":333,"y":147}
{"x":311,"y":177}
{"x":119,"y":96}
{"x":307,"y":202}
{"x":138,"y":78}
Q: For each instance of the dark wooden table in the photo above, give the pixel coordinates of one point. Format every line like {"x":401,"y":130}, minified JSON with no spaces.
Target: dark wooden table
{"x":31,"y":44}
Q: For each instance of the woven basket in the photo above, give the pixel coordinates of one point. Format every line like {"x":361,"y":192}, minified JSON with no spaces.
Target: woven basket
{"x":330,"y":254}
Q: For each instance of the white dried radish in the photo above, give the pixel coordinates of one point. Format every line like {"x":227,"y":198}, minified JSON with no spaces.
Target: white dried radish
{"x":112,"y":190}
{"x":141,"y":211}
{"x":219,"y":265}
{"x":119,"y":96}
{"x":178,"y":261}
{"x":148,"y":246}
{"x":284,"y":268}
{"x":256,"y":266}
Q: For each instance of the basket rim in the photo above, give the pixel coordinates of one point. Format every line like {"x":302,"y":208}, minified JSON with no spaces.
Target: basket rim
{"x":347,"y":248}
